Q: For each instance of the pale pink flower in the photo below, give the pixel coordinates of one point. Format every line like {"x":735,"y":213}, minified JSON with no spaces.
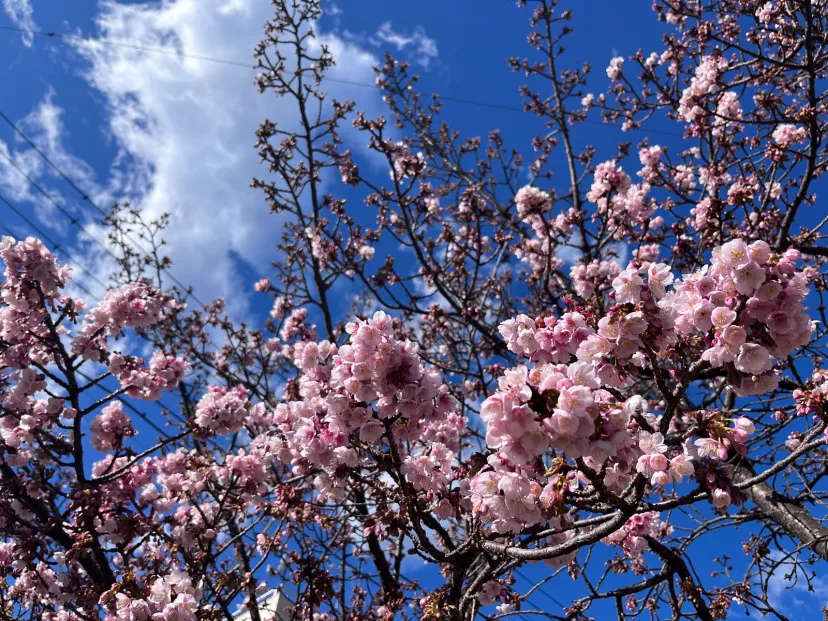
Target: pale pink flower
{"x":722,"y":317}
{"x":753,"y":359}
{"x":748,"y":278}
{"x":651,"y":443}
{"x":627,"y":287}
{"x":659,"y":278}
{"x":681,"y":466}
{"x":735,"y":253}
{"x":615,"y":68}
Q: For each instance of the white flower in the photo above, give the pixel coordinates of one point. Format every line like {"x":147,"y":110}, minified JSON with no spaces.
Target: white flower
{"x":659,"y":277}
{"x":748,"y":278}
{"x":753,"y":359}
{"x":627,"y":287}
{"x":651,"y":443}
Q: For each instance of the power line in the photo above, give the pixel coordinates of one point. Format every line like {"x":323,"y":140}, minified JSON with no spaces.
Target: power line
{"x":180,"y":55}
{"x":55,"y":246}
{"x":72,"y":219}
{"x":539,"y":588}
{"x":86,"y":198}
{"x":59,"y":248}
{"x":141,"y":48}
{"x":52,"y":164}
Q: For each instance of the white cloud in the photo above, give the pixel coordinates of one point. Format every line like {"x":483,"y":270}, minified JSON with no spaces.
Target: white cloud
{"x":421,"y":47}
{"x":570,"y":254}
{"x":22,"y":15}
{"x":791,"y":591}
{"x":186,"y":128}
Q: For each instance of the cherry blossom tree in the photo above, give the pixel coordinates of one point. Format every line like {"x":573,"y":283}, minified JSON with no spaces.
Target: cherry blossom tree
{"x":480,"y":401}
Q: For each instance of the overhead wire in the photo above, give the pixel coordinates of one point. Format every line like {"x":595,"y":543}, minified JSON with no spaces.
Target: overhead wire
{"x":74,"y":221}
{"x":85,"y":197}
{"x":178,"y":54}
{"x":56,"y":247}
{"x":59,"y":248}
{"x":539,"y":588}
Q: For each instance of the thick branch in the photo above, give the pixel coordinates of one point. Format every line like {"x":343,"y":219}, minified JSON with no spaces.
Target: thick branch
{"x":792,"y":518}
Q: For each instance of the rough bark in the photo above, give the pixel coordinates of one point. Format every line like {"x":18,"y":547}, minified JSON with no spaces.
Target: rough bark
{"x":795,"y":520}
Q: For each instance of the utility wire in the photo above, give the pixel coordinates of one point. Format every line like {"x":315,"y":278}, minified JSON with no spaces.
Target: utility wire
{"x":86,"y":198}
{"x":55,"y":246}
{"x":540,"y":588}
{"x":49,"y":162}
{"x":181,"y":55}
{"x":72,"y":219}
{"x":58,"y":248}
{"x":131,"y":46}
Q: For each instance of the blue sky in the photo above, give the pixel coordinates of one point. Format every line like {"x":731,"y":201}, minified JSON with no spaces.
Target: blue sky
{"x":176,"y":135}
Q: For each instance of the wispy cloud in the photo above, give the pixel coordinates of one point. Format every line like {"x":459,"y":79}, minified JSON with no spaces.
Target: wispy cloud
{"x":21,"y":165}
{"x":20,"y":12}
{"x":421,"y":48}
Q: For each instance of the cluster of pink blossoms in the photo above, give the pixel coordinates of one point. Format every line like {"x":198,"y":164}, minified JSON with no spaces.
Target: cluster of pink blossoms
{"x":728,"y":114}
{"x":171,"y":598}
{"x":654,"y":464}
{"x":546,"y":339}
{"x":787,"y":135}
{"x":29,"y":416}
{"x":631,"y":537}
{"x":615,"y":68}
{"x":813,"y":399}
{"x":555,"y":405}
{"x":706,"y":81}
{"x":335,"y":420}
{"x":111,"y":427}
{"x":533,"y":207}
{"x":749,"y":306}
{"x":135,"y":305}
{"x":594,"y":276}
{"x":148,"y":383}
{"x":28,"y":262}
{"x":223,"y":410}
{"x":33,"y":280}
{"x":31,"y":273}
{"x":625,"y":203}
{"x":765,"y":13}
